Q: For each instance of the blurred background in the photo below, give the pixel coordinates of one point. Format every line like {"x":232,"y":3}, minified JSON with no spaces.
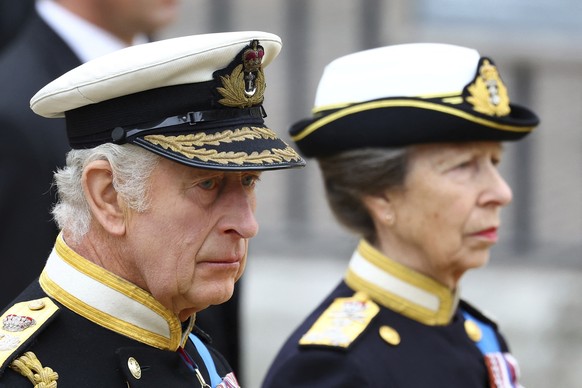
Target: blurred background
{"x":533,"y":283}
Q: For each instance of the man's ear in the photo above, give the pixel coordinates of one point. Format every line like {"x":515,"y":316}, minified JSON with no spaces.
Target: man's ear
{"x":104,"y":201}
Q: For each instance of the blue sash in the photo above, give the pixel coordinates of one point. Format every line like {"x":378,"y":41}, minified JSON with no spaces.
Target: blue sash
{"x":488,"y":342}
{"x":491,"y":350}
{"x":215,"y":379}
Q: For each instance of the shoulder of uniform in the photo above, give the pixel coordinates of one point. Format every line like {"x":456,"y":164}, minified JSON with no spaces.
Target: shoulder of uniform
{"x":342,"y":322}
{"x":204,"y":336}
{"x":478,"y":314}
{"x":20,"y":325}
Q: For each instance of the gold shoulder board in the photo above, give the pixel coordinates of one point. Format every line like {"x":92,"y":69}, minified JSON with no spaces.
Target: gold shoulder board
{"x":343,"y":321}
{"x":19,"y":323}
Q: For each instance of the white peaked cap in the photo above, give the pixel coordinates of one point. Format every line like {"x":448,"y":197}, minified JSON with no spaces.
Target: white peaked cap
{"x":406,"y":70}
{"x":406,"y":94}
{"x":197,"y":100}
{"x":183,"y":60}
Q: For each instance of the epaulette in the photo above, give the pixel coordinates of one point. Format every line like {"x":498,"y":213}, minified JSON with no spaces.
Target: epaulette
{"x":342,"y":322}
{"x":20,"y":323}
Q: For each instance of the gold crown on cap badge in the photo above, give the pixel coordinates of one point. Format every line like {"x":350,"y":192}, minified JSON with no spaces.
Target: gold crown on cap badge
{"x":245,"y":85}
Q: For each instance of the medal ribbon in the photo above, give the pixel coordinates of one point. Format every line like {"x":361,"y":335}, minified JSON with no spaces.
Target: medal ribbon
{"x":502,"y":368}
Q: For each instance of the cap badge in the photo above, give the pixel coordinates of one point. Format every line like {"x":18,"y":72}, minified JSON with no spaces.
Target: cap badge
{"x":245,"y":85}
{"x":488,"y":94}
{"x":252,"y":59}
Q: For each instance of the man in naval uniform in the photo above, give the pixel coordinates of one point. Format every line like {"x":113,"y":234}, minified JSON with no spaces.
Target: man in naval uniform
{"x":156,"y":208}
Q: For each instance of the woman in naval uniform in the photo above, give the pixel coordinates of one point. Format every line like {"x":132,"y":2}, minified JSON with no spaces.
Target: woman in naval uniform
{"x":408,"y":139}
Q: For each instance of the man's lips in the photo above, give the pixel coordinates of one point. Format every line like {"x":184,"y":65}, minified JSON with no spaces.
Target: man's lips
{"x":223,"y":260}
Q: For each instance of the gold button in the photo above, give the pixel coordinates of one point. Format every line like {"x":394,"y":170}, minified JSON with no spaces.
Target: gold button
{"x":36,"y":305}
{"x":390,"y":335}
{"x":134,"y":367}
{"x":473,"y":331}
{"x":361,"y":296}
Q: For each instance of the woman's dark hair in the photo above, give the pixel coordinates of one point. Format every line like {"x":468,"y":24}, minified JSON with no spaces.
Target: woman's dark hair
{"x":351,"y":175}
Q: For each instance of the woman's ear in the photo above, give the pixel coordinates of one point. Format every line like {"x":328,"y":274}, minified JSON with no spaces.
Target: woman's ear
{"x":104,"y":201}
{"x":381,"y":209}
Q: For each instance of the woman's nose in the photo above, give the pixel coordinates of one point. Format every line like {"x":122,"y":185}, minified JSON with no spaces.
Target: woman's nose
{"x":498,"y":190}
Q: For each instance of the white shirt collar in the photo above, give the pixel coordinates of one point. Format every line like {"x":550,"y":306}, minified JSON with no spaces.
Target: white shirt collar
{"x":78,"y":32}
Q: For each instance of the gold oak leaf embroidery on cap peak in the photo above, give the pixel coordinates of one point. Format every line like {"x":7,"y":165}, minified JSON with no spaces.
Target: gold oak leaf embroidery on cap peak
{"x":192,"y":146}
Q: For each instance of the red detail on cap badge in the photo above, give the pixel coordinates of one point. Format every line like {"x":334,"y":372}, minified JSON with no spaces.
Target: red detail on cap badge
{"x":252,"y":60}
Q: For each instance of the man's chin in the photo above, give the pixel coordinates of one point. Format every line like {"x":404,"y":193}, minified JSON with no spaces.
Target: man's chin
{"x":222,"y":294}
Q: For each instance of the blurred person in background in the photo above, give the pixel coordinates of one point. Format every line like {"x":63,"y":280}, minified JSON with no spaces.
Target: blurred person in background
{"x":408,"y":139}
{"x":56,"y":36}
{"x":156,"y":209}
{"x":13,"y":15}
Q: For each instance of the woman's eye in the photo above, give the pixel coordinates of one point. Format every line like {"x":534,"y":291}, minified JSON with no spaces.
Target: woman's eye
{"x":465,"y":164}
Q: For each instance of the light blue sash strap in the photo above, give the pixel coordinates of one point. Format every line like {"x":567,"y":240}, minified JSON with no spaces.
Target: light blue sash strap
{"x":490,"y":348}
{"x":488,"y":342}
{"x":215,"y":379}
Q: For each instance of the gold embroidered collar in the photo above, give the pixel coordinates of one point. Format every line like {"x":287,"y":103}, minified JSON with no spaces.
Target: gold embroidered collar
{"x":399,"y":288}
{"x":108,"y":300}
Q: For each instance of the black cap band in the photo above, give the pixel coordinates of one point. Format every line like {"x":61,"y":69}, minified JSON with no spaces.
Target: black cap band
{"x":224,"y":117}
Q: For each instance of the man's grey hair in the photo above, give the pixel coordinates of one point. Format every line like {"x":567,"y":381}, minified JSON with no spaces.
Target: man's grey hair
{"x":351,"y":175}
{"x":131,"y":168}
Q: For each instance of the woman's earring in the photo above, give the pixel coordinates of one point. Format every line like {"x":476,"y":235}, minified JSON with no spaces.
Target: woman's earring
{"x":390,"y":219}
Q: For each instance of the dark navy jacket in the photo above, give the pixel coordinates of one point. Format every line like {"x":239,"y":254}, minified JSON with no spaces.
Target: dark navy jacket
{"x":87,"y":355}
{"x":427,"y":356}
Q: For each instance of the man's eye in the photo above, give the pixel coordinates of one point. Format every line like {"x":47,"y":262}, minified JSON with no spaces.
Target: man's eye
{"x":250,"y":180}
{"x":208,"y":184}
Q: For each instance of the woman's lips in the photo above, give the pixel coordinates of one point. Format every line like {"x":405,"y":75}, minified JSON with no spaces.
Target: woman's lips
{"x":489,"y":234}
